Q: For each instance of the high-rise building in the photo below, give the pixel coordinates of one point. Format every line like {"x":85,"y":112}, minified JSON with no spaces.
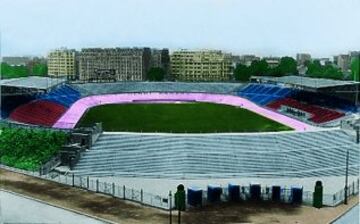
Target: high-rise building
{"x":301,"y":58}
{"x":62,"y":63}
{"x":206,"y":65}
{"x":114,"y":64}
{"x":343,"y":62}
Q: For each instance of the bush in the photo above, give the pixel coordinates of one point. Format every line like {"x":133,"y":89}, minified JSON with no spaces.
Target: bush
{"x":27,"y":148}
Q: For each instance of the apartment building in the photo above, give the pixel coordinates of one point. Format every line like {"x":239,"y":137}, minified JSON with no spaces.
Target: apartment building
{"x":206,"y":65}
{"x":62,"y":63}
{"x":114,"y":64}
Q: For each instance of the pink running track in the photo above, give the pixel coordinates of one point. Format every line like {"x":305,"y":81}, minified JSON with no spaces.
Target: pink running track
{"x":75,"y":112}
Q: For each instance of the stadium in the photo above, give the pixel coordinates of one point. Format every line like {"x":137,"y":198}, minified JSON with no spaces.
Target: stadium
{"x":289,"y":131}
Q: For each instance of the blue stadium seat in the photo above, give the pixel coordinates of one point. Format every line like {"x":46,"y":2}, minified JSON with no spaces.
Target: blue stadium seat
{"x":264,"y":93}
{"x":64,"y":95}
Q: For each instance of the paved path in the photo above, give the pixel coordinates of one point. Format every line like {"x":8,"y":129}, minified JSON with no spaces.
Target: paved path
{"x":18,"y":209}
{"x":351,"y":217}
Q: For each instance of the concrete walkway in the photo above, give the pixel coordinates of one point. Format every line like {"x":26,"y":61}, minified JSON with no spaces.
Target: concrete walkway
{"x":351,"y":217}
{"x":16,"y":208}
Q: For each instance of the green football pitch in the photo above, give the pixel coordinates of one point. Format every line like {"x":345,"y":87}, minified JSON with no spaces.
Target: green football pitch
{"x":178,"y":118}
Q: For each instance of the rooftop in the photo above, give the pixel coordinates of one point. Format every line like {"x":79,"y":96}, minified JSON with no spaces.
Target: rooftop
{"x":306,"y":81}
{"x":32,"y":82}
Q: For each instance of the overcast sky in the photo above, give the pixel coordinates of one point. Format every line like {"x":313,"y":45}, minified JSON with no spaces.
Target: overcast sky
{"x":264,"y":27}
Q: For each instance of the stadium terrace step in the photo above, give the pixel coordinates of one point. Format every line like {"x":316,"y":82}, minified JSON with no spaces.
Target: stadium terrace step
{"x":286,"y":154}
{"x":89,"y":89}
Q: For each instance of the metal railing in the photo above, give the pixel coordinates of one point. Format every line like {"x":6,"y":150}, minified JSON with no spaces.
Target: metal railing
{"x":339,"y":197}
{"x":163,"y":202}
{"x":115,"y":190}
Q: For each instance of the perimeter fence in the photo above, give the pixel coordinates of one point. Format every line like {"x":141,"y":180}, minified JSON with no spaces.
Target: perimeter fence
{"x":166,"y":202}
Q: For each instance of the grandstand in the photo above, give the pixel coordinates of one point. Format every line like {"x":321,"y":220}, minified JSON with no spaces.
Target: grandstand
{"x":46,"y":108}
{"x":307,"y":99}
{"x":38,"y":112}
{"x":36,"y":100}
{"x":88,"y":89}
{"x":64,"y":95}
{"x":318,"y":114}
{"x":295,"y":154}
{"x":264,"y":93}
{"x":9,"y":103}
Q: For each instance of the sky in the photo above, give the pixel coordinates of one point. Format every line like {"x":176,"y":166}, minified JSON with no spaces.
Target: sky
{"x":322,"y":28}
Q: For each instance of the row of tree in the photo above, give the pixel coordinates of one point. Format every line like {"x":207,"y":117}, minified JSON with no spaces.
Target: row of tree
{"x":38,"y":69}
{"x":316,"y":70}
{"x":286,"y":66}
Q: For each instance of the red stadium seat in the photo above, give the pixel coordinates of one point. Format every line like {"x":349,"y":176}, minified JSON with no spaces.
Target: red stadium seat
{"x":38,"y":112}
{"x":319,"y":114}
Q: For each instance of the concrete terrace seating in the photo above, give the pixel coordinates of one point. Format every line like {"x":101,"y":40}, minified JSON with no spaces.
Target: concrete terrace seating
{"x":38,"y":112}
{"x":264,"y":93}
{"x":89,"y":89}
{"x":64,"y":95}
{"x":296,"y":154}
{"x":319,"y":114}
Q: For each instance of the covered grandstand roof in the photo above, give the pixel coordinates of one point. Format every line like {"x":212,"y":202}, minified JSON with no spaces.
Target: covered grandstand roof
{"x":32,"y":82}
{"x":302,"y":81}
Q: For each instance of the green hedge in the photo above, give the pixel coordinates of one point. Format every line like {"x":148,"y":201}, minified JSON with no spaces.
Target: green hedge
{"x":27,"y":148}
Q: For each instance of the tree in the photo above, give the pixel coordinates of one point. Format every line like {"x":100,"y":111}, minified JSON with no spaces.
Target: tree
{"x":242,"y":73}
{"x":331,"y":72}
{"x":156,"y":74}
{"x":316,"y":70}
{"x":355,"y":69}
{"x":259,"y":67}
{"x":287,"y":66}
{"x":40,"y":69}
{"x":8,"y":71}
